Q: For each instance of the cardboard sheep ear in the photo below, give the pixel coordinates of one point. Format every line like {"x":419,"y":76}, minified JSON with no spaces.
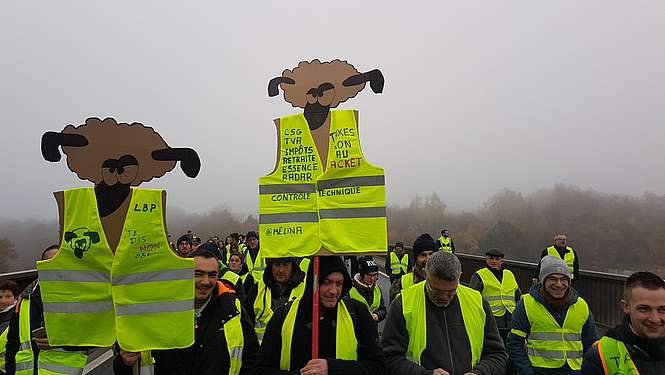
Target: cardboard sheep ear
{"x":317,"y":86}
{"x":114,"y":157}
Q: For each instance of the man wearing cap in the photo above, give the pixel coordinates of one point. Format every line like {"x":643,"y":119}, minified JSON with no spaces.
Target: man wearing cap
{"x":560,"y":249}
{"x":499,"y":288}
{"x":366,"y":290}
{"x":397,"y":262}
{"x":423,"y":247}
{"x":441,"y":327}
{"x":555,"y":322}
{"x":282,"y":282}
{"x":347,"y":333}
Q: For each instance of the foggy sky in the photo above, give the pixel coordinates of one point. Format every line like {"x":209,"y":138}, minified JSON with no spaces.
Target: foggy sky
{"x":479,"y":96}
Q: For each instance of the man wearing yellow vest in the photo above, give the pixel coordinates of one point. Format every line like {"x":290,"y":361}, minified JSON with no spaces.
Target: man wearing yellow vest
{"x":423,"y":247}
{"x":255,"y":261}
{"x":398,"y":262}
{"x":366,"y":290}
{"x":282,"y":282}
{"x":225,"y":343}
{"x":445,"y":243}
{"x":441,"y":327}
{"x":561,"y":250}
{"x":552,"y":326}
{"x":347,"y":335}
{"x":28,"y":348}
{"x":637,"y":346}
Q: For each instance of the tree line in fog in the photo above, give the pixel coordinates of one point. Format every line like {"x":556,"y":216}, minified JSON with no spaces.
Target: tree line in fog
{"x":611,"y":232}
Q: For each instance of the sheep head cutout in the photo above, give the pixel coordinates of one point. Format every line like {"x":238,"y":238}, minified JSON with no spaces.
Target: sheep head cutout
{"x":116,"y":156}
{"x":317,"y":87}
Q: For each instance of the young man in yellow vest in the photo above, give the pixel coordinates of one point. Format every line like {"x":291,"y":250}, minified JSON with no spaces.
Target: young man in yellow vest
{"x":552,"y":326}
{"x":398,"y":262}
{"x":366,"y":289}
{"x":225,"y":341}
{"x":255,"y":261}
{"x":347,"y":334}
{"x":282,"y":281}
{"x":423,"y":247}
{"x":441,"y":327}
{"x":445,"y":243}
{"x":637,"y":346}
{"x":29,"y":352}
{"x":560,"y":249}
{"x":499,"y":288}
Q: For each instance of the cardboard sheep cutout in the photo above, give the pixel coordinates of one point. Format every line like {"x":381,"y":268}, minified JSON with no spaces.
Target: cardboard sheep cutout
{"x":115,"y":272}
{"x":322,"y":197}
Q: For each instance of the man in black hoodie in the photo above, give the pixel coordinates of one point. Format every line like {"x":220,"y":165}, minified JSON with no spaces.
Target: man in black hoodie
{"x":637,"y":346}
{"x":347,"y":335}
{"x":282,"y":282}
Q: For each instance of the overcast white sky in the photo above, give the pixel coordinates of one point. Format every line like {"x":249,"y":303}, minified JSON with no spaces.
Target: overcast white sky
{"x":479,"y":96}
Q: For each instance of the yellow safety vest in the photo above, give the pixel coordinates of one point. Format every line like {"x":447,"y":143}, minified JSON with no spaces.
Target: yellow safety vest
{"x":304,"y":265}
{"x":147,"y":363}
{"x":550,"y":345}
{"x":302,"y":208}
{"x":415,"y":317}
{"x":263,"y":309}
{"x":93,"y":297}
{"x":615,"y":357}
{"x":50,"y":362}
{"x":257,"y":266}
{"x":231,"y":277}
{"x":407,"y":280}
{"x":500,"y":295}
{"x":376,"y":298}
{"x":398,"y":265}
{"x":568,"y":258}
{"x":346,"y":343}
{"x":235,"y":341}
{"x":3,"y":344}
{"x":445,"y":244}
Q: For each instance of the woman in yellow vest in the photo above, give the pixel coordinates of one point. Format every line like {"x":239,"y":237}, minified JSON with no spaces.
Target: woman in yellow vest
{"x":552,"y":325}
{"x":347,"y":336}
{"x":366,"y":289}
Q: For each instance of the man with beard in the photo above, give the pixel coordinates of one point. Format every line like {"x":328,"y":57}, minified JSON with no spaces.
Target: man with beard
{"x":256,"y":264}
{"x":282,"y":282}
{"x":397,"y":262}
{"x":423,"y":247}
{"x":441,"y":327}
{"x":225,"y":342}
{"x":555,"y":322}
{"x":637,"y":346}
{"x":184,"y":245}
{"x":347,"y":334}
{"x":366,"y":290}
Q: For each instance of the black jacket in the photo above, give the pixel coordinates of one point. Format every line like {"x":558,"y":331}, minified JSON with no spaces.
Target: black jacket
{"x":647,"y":354}
{"x":33,"y":293}
{"x":370,"y":358}
{"x":279,"y":294}
{"x":209,"y":354}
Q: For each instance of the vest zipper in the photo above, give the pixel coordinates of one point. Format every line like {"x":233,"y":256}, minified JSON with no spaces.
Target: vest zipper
{"x":450,"y":352}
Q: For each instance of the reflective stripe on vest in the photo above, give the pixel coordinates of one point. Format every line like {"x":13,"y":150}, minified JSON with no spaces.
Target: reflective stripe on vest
{"x":500,"y":295}
{"x":550,"y":345}
{"x":376,"y":298}
{"x":415,"y":317}
{"x":257,"y":266}
{"x":302,"y":208}
{"x":568,"y":258}
{"x":445,"y":244}
{"x":615,"y":357}
{"x":24,"y":357}
{"x":262,"y":306}
{"x":398,"y":266}
{"x":346,"y":343}
{"x":235,"y":341}
{"x":93,"y":297}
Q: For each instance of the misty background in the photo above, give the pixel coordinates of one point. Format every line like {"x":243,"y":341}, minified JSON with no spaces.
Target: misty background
{"x":481,"y":102}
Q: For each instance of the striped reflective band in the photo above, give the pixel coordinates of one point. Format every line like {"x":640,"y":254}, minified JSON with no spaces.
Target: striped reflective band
{"x":351,"y":181}
{"x":295,"y":217}
{"x":145,"y":277}
{"x":74,"y":276}
{"x":59,"y":369}
{"x":287,"y":188}
{"x":236,"y":352}
{"x":553,"y":354}
{"x":352,"y":213}
{"x":554,"y":336}
{"x":155,"y":307}
{"x":25,"y":346}
{"x":78,"y":307}
{"x":23,"y":366}
{"x":497,"y":298}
